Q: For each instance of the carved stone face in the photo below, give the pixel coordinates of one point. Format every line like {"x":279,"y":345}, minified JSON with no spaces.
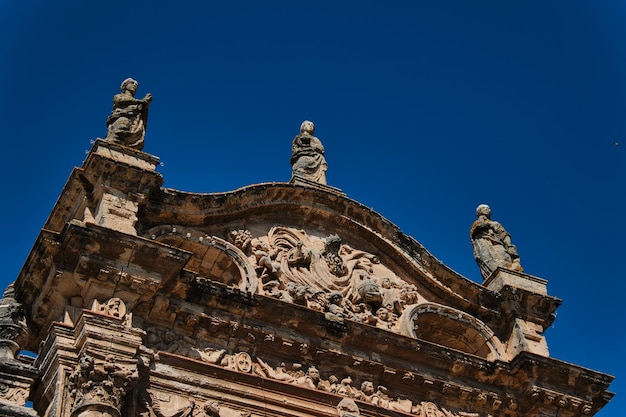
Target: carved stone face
{"x":430,"y":410}
{"x":211,"y":408}
{"x":129,"y":85}
{"x":152,"y":339}
{"x":367,"y":387}
{"x":86,"y":362}
{"x":243,"y":362}
{"x":335,"y":298}
{"x":115,"y":307}
{"x":483,"y":210}
{"x":307,"y":127}
{"x":369,"y":292}
{"x":314,"y":373}
{"x":382,"y":313}
{"x":169,"y":336}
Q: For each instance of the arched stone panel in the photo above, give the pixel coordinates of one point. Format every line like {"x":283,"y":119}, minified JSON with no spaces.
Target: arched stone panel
{"x":213,"y":257}
{"x":451,"y":328}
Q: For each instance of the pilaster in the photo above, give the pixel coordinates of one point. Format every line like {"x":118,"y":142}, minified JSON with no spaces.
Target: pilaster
{"x":89,"y":365}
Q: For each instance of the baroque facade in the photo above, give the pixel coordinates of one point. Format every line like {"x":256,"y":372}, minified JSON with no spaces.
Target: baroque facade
{"x":277,"y":299}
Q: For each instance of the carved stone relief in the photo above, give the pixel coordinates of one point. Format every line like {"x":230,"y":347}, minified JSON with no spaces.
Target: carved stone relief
{"x":177,"y":406}
{"x":306,"y":376}
{"x":13,"y":395}
{"x":114,"y":307}
{"x":327,"y":276}
{"x":98,"y":388}
{"x":213,"y":408}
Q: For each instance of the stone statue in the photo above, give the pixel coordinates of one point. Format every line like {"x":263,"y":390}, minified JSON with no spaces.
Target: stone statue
{"x":492,"y":244}
{"x":307,"y":155}
{"x":129,"y":118}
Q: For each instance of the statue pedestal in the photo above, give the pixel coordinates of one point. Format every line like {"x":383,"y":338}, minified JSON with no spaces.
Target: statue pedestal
{"x":298,"y":180}
{"x":529,"y":306}
{"x":505,"y":277}
{"x":121,"y":179}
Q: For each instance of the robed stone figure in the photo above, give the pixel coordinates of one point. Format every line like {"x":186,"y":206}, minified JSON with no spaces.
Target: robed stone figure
{"x":129,"y":118}
{"x":307,"y":155}
{"x":492,"y":244}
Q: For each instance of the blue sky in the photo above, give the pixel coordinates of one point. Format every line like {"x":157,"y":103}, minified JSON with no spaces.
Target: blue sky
{"x":426,"y":109}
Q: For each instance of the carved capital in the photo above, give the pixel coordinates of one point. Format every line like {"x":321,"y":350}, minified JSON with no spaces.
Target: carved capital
{"x":12,"y":324}
{"x":100,"y":387}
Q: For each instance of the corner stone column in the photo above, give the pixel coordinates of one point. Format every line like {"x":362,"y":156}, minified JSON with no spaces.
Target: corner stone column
{"x":94,"y":361}
{"x":16,"y":374}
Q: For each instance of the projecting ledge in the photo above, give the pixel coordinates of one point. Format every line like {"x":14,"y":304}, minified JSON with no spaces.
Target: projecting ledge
{"x":505,"y":277}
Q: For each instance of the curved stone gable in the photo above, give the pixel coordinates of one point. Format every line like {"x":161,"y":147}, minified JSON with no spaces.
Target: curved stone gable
{"x":274,"y":299}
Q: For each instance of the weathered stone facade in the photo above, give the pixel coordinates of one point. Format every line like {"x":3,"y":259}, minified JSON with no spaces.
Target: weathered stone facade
{"x":278,"y":299}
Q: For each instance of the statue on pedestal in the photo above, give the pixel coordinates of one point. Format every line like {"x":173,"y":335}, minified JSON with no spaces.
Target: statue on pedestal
{"x":492,"y":244}
{"x":307,"y":155}
{"x":129,"y":118}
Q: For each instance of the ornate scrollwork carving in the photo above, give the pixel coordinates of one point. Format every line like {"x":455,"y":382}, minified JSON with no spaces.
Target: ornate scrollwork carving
{"x":13,"y":395}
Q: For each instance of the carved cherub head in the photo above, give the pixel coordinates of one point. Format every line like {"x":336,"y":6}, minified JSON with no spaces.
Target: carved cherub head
{"x":313,"y":373}
{"x":367,"y":387}
{"x":335,"y":297}
{"x":211,"y":408}
{"x":382,"y":313}
{"x":86,"y":363}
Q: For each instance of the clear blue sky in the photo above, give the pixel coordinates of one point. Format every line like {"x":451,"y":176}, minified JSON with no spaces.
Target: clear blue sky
{"x":426,"y":109}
